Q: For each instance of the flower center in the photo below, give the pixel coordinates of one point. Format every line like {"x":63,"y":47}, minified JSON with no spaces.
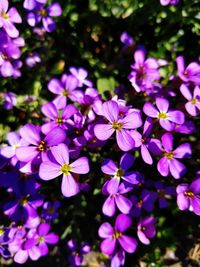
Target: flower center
{"x":42,"y":146}
{"x":1,"y":232}
{"x":4,"y":56}
{"x":162,"y":115}
{"x":66,"y":169}
{"x":194,"y":101}
{"x":4,"y":15}
{"x":161,"y":193}
{"x":116,"y":235}
{"x":43,"y":13}
{"x":140,"y":203}
{"x":40,"y":239}
{"x":189,"y":194}
{"x":169,"y":155}
{"x":24,"y":200}
{"x":117,"y":126}
{"x":119,"y":173}
{"x":65,"y":93}
{"x":59,"y":120}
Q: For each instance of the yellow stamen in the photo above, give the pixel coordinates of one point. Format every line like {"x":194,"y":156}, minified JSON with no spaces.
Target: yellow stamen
{"x":42,"y":146}
{"x":66,"y":169}
{"x":65,"y":93}
{"x":162,"y":115}
{"x":169,"y":155}
{"x":189,"y":194}
{"x":117,"y":126}
{"x":194,"y":101}
{"x":116,"y":235}
{"x":4,"y":15}
{"x":119,"y":173}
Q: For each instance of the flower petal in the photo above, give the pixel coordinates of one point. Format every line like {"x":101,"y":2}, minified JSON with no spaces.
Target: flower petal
{"x":80,"y":165}
{"x":49,"y":170}
{"x":69,"y":186}
{"x":103,"y":131}
{"x":129,"y":244}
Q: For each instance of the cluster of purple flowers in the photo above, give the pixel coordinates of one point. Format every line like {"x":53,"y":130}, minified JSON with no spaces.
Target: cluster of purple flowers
{"x":78,"y":123}
{"x":10,"y":42}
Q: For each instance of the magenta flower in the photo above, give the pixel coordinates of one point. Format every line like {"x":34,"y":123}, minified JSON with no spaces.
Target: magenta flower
{"x":166,"y":117}
{"x":81,"y":75}
{"x":193,"y":104}
{"x":116,"y":198}
{"x":146,"y":229}
{"x":188,"y":196}
{"x":121,"y":172}
{"x":50,"y":170}
{"x":169,"y":2}
{"x":114,"y":235}
{"x":39,"y":146}
{"x":8,"y":17}
{"x":121,"y":125}
{"x":168,"y":162}
{"x":189,"y":74}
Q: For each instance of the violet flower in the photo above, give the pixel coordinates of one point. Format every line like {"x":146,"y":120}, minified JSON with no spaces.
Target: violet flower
{"x":193,"y":104}
{"x":58,"y":117}
{"x":31,"y":4}
{"x":145,"y":73}
{"x":76,"y":256}
{"x":39,"y":146}
{"x":32,"y":59}
{"x":115,"y":235}
{"x":121,"y":172}
{"x":116,"y":198}
{"x":10,"y":100}
{"x":41,"y":13}
{"x":122,"y":126}
{"x":8,"y":17}
{"x":146,"y":229}
{"x":81,"y":75}
{"x":164,"y":193}
{"x":64,"y":88}
{"x":4,"y":241}
{"x":188,"y":196}
{"x":118,"y":259}
{"x":168,"y":162}
{"x":189,"y":74}
{"x":50,"y":210}
{"x":52,"y":169}
{"x":166,"y":117}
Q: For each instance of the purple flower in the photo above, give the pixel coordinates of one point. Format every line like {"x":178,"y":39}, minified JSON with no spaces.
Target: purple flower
{"x":81,"y":75}
{"x":57,"y":116}
{"x":164,"y":193}
{"x":116,"y":198}
{"x":40,"y":13}
{"x":64,"y":88}
{"x":50,"y":210}
{"x":166,"y":117}
{"x":33,"y":59}
{"x":39,"y":146}
{"x":193,"y":104}
{"x":118,"y":259}
{"x":8,"y":17}
{"x":188,"y":196}
{"x":169,"y":2}
{"x":31,"y":4}
{"x":114,"y":235}
{"x":145,"y":73}
{"x":189,"y":74}
{"x":126,"y":39}
{"x":121,"y":125}
{"x":121,"y":172}
{"x":4,"y":240}
{"x":168,"y":162}
{"x":50,"y":170}
{"x":10,"y":100}
{"x":146,"y":229}
{"x":76,"y":257}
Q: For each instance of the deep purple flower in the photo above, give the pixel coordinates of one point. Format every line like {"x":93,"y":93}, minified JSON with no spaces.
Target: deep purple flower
{"x":122,"y":126}
{"x":188,"y":196}
{"x":50,"y":170}
{"x":126,"y":39}
{"x":116,"y":198}
{"x":193,"y":104}
{"x":114,"y":235}
{"x":10,"y":100}
{"x":50,"y":210}
{"x":164,"y":193}
{"x":146,"y":229}
{"x":145,"y":73}
{"x":168,"y":162}
{"x":189,"y":74}
{"x":44,"y":14}
{"x":8,"y":17}
{"x":76,"y":256}
{"x":38,"y":146}
{"x":166,"y":117}
{"x":146,"y":202}
{"x":4,"y":240}
{"x":81,"y":75}
{"x":121,"y":172}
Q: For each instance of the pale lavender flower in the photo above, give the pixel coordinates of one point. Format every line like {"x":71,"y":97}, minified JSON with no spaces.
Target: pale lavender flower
{"x":81,"y":75}
{"x":169,"y":2}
